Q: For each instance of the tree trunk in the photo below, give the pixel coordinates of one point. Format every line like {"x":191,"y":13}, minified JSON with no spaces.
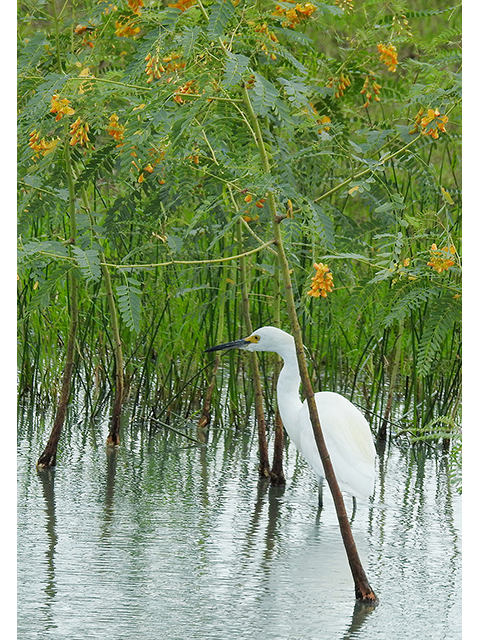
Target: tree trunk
{"x":49,"y":455}
{"x":263,"y":463}
{"x":363,"y":591}
{"x":113,"y":438}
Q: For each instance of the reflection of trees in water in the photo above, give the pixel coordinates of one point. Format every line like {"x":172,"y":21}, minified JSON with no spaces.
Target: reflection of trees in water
{"x":47,"y":478}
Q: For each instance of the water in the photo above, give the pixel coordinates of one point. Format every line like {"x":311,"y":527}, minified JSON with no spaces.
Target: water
{"x":170,"y":541}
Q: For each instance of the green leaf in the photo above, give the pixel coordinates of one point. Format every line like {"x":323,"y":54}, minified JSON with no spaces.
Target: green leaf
{"x":235,"y":67}
{"x":220,"y":16}
{"x":89,"y":263}
{"x":264,"y":95}
{"x":439,"y":325}
{"x":323,"y":226}
{"x":188,"y":40}
{"x":128,"y":295}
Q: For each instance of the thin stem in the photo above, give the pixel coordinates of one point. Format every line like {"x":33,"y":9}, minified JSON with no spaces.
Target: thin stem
{"x":363,"y":591}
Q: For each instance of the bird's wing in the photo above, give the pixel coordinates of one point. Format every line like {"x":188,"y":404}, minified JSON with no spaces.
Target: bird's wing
{"x":349,"y":443}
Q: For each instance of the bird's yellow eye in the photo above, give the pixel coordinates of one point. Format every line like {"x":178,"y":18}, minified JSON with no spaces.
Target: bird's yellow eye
{"x":253,"y":339}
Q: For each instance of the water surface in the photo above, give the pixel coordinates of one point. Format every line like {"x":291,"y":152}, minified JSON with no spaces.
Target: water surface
{"x":164,"y":540}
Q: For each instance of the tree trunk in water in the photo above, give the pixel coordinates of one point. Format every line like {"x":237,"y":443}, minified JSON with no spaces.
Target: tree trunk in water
{"x":276,"y":474}
{"x":263,"y":464}
{"x":205,"y":417}
{"x":363,"y":591}
{"x":49,"y":455}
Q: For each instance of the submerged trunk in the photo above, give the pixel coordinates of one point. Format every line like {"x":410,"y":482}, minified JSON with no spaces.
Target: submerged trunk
{"x":205,"y":417}
{"x":113,"y":438}
{"x":276,"y":473}
{"x":49,"y":455}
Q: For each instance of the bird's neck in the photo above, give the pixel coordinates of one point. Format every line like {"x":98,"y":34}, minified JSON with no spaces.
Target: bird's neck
{"x":288,"y":398}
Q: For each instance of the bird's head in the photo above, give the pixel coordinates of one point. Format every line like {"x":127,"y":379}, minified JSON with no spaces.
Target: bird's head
{"x":263,"y":339}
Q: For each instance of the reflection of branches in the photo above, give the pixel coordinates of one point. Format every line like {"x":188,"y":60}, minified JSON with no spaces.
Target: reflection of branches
{"x":110,"y":488}
{"x":360,"y":613}
{"x":47,"y":477}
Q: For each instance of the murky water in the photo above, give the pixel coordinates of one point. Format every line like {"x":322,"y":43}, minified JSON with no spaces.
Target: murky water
{"x":171,"y":541}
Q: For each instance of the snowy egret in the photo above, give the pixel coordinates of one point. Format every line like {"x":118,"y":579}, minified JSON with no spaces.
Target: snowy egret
{"x":346,"y":432}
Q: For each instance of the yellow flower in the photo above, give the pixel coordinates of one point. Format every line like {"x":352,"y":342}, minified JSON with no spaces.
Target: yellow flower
{"x":126,"y":28}
{"x":345,"y":5}
{"x":183,"y":90}
{"x":322,"y":281}
{"x":183,"y":5}
{"x":135,"y":6}
{"x":440,"y":260}
{"x":60,"y":107}
{"x":324,"y":122}
{"x":295,"y":14}
{"x":429,"y":124}
{"x":339,"y":85}
{"x":115,"y":129}
{"x":42,"y":146}
{"x":79,"y":133}
{"x":389,"y":56}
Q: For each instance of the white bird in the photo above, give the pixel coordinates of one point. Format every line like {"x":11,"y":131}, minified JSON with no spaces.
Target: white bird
{"x":345,"y":430}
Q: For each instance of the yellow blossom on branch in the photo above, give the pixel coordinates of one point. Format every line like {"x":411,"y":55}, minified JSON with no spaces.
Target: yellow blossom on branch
{"x":345,"y":5}
{"x":115,"y":129}
{"x":135,"y":6}
{"x":79,"y":133}
{"x":42,"y":146}
{"x":433,"y":122}
{"x":183,"y":5}
{"x":441,"y":259}
{"x":183,"y":90}
{"x":389,"y":56}
{"x":322,"y":281}
{"x":126,"y":28}
{"x":60,"y":107}
{"x":294,"y":15}
{"x":429,"y":124}
{"x":375,"y":87}
{"x":339,"y":85}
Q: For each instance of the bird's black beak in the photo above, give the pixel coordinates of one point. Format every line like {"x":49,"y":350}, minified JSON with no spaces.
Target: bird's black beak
{"x":236,"y":344}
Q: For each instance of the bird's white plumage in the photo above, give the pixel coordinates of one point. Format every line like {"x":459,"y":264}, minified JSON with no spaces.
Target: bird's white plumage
{"x":346,"y":432}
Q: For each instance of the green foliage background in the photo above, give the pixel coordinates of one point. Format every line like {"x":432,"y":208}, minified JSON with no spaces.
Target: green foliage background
{"x":161,"y":207}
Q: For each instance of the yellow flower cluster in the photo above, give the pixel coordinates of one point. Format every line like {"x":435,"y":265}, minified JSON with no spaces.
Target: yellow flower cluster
{"x":60,"y":107}
{"x":88,"y":33}
{"x":183,"y":90}
{"x":126,"y":28}
{"x":263,"y":28}
{"x":42,"y":146}
{"x":115,"y":129}
{"x":79,"y":133}
{"x":345,"y":5}
{"x":183,"y":5}
{"x":430,"y":124}
{"x":322,"y":281}
{"x":323,"y":121}
{"x":294,"y":15}
{"x":389,"y":56}
{"x":401,"y":26}
{"x":155,"y":68}
{"x":135,"y":6}
{"x":150,"y":167}
{"x":441,"y":259}
{"x":366,"y":90}
{"x":339,"y":84}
